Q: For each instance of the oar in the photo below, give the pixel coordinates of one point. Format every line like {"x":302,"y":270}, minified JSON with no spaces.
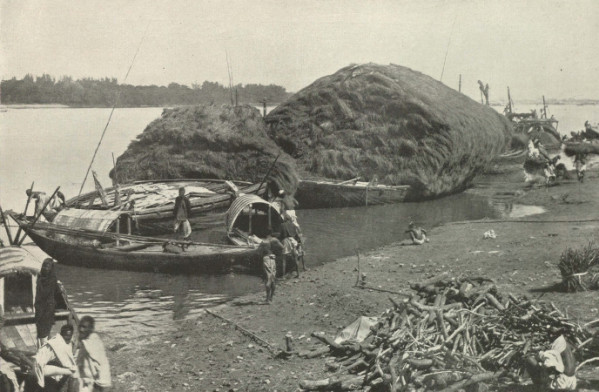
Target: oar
{"x":25,"y":211}
{"x":268,"y":173}
{"x":8,"y":233}
{"x":37,"y":216}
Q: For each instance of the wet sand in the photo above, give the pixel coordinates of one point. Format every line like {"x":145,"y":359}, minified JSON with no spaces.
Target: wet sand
{"x":208,"y":354}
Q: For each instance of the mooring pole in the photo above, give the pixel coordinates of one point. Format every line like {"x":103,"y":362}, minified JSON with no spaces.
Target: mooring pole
{"x":25,"y":211}
{"x":8,"y":233}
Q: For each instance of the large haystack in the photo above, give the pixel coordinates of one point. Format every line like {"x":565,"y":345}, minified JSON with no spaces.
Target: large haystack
{"x":392,"y":122}
{"x":206,"y":142}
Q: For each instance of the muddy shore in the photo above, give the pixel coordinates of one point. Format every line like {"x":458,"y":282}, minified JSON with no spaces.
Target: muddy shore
{"x":208,"y":354}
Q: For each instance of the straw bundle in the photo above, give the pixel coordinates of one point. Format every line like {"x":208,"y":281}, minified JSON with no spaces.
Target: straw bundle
{"x":206,"y":142}
{"x":391,"y":122}
{"x":580,"y":268}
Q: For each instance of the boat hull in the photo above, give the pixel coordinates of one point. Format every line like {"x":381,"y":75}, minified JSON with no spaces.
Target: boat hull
{"x":194,"y":260}
{"x":325,"y":194}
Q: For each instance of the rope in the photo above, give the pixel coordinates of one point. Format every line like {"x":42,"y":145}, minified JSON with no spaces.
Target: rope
{"x":448,"y":43}
{"x":111,"y":112}
{"x":524,"y":221}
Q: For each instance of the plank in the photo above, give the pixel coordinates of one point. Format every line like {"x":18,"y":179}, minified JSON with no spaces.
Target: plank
{"x":25,"y":335}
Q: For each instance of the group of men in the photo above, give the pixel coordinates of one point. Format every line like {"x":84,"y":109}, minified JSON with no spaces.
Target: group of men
{"x":62,"y":364}
{"x":286,"y":245}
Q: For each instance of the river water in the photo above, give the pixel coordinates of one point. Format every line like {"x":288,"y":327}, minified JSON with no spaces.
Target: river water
{"x":53,"y":147}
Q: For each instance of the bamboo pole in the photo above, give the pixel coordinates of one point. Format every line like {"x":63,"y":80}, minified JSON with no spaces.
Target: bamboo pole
{"x":246,"y":332}
{"x":25,"y":211}
{"x":8,"y":233}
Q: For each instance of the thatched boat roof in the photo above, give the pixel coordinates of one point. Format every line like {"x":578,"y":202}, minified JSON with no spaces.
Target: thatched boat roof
{"x":391,"y":122}
{"x":222,"y":142}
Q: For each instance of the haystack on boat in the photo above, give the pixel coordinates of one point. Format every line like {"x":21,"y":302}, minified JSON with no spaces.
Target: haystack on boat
{"x":18,"y":274}
{"x":392,"y":123}
{"x":151,"y":203}
{"x":207,"y":142}
{"x":102,"y":239}
{"x":351,"y":193}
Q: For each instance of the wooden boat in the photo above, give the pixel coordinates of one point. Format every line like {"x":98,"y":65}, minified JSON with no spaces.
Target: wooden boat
{"x":351,"y":193}
{"x":18,"y":274}
{"x":151,"y":203}
{"x":102,"y":239}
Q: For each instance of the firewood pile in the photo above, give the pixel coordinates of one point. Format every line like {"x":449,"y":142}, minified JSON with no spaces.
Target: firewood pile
{"x":449,"y":334}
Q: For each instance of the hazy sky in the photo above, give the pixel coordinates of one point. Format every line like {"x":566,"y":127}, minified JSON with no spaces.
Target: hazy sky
{"x":538,"y":47}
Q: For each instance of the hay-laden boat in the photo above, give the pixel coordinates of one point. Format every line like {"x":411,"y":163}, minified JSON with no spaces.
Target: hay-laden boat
{"x":18,"y":273}
{"x":351,"y":193}
{"x":102,"y":239}
{"x":391,"y":122}
{"x":151,"y":203}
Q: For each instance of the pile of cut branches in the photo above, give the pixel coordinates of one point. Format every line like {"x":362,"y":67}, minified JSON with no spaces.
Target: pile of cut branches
{"x":451,"y":333}
{"x":580,"y":268}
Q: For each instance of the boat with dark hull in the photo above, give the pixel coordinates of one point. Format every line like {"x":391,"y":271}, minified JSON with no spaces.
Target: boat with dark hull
{"x":151,"y":203}
{"x":102,"y":239}
{"x":18,"y":274}
{"x":351,"y":193}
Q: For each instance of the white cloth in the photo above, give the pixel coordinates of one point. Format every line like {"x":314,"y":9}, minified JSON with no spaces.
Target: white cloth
{"x":55,"y":348}
{"x":553,"y":358}
{"x":289,"y":245}
{"x":95,"y":368}
{"x":9,"y":373}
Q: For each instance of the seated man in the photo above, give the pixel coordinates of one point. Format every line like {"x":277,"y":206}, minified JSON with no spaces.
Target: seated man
{"x":417,"y":234}
{"x":92,"y":359}
{"x":55,"y":364}
{"x":555,"y":368}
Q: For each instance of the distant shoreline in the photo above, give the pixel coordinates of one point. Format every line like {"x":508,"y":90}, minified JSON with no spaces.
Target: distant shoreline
{"x":61,"y":106}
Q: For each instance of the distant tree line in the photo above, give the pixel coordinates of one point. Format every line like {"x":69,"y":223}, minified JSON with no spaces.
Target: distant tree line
{"x":105,"y":92}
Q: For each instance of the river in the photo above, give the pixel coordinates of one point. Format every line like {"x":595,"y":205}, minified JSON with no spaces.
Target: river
{"x":54,"y":146}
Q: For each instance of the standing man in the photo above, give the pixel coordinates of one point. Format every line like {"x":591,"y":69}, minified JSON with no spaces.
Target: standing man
{"x":269,"y":267}
{"x":46,"y":291}
{"x":580,"y":163}
{"x":92,"y":359}
{"x":290,"y":238}
{"x":182,"y":212}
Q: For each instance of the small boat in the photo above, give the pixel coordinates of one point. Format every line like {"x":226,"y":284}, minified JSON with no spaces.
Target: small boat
{"x":103,"y":239}
{"x":351,"y":193}
{"x":18,"y":274}
{"x":151,"y":203}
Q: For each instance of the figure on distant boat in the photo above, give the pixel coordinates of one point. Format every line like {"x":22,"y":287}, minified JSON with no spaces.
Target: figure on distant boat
{"x":182,"y":212}
{"x":417,"y":234}
{"x":52,"y":207}
{"x":484,"y":92}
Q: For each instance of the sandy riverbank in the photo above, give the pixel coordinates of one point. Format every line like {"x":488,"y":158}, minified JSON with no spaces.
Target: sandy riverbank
{"x":206,"y":354}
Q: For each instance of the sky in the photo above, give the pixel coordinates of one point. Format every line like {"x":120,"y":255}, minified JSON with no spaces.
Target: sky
{"x":536,"y":47}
